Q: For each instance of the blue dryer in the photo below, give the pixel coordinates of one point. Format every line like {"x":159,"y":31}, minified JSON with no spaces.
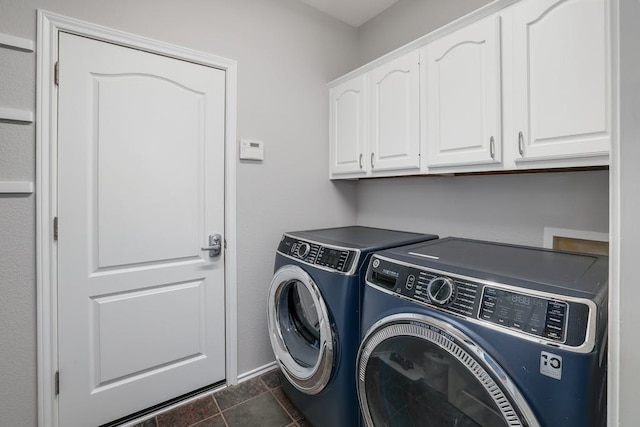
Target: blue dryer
{"x":464,"y":333}
{"x":314,"y":316}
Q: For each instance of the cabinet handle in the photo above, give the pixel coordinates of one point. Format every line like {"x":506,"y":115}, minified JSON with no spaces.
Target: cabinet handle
{"x":360,"y":161}
{"x":492,"y":148}
{"x":521,"y":143}
{"x":371,"y":160}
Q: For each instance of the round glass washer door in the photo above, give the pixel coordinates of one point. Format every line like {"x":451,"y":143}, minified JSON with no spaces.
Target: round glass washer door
{"x":299,"y":329}
{"x":415,"y":370}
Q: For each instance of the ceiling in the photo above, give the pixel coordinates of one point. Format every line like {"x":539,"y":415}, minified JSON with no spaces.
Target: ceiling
{"x":353,"y":12}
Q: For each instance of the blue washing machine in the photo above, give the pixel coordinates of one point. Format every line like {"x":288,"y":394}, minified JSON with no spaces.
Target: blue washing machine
{"x":462,"y":333}
{"x":314,"y":316}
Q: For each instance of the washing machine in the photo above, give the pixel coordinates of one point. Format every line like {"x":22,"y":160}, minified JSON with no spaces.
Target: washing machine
{"x":460,"y":332}
{"x":314,"y":316}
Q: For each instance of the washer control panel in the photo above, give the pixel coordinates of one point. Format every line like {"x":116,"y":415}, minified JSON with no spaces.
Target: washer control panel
{"x":517,"y":309}
{"x":325,"y":256}
{"x":534,"y":315}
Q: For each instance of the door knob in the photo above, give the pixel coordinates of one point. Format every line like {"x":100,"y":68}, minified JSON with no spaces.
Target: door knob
{"x":215,"y":245}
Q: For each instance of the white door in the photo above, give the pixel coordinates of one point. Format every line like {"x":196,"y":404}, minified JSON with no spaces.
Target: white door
{"x":561,"y":90}
{"x":395,"y":114}
{"x":348,"y":127}
{"x":463,"y":96}
{"x":140,"y":189}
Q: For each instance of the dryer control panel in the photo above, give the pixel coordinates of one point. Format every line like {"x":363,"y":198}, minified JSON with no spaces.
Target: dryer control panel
{"x":324,"y":256}
{"x":553,"y":318}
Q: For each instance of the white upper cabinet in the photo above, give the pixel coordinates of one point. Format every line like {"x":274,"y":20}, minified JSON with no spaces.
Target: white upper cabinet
{"x":395,"y":114}
{"x":516,"y":85}
{"x":561,"y":89}
{"x":348,"y":122}
{"x":463,"y":96}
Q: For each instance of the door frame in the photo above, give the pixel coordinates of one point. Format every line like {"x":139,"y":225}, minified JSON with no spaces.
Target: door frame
{"x":50,"y":25}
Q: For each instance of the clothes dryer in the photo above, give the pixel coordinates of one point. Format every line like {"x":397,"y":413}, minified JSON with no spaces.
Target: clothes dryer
{"x":314,"y":316}
{"x":464,"y":333}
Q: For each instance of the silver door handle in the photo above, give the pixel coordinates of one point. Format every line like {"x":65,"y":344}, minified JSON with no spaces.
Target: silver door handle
{"x":521,"y":143}
{"x":360,"y":161}
{"x":215,"y":245}
{"x":492,"y":148}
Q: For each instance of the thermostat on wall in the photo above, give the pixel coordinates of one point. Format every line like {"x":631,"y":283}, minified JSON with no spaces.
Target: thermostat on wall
{"x":251,"y":150}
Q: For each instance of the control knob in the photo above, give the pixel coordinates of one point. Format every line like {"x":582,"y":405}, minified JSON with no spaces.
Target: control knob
{"x":303,"y":249}
{"x":441,"y":290}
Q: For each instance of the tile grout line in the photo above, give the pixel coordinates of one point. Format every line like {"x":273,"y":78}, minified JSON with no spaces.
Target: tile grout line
{"x":246,"y":400}
{"x":220,"y":411}
{"x":291,"y":417}
{"x":293,"y":420}
{"x":206,"y":418}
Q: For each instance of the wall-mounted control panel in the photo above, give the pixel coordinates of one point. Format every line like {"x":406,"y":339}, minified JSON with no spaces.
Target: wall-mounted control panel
{"x":251,"y":149}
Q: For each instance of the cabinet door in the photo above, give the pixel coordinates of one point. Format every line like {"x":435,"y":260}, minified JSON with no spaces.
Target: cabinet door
{"x":561,"y":79}
{"x":395,"y":106}
{"x":348,"y":127}
{"x":463,"y":96}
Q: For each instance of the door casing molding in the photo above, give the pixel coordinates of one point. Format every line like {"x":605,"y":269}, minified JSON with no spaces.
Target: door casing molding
{"x":50,"y":25}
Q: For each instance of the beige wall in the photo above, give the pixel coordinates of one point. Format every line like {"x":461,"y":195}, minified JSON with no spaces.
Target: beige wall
{"x":286,"y":54}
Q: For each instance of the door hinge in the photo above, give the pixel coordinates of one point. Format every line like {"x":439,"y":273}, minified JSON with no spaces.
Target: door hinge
{"x":55,"y":228}
{"x":57,"y":383}
{"x":56,"y":73}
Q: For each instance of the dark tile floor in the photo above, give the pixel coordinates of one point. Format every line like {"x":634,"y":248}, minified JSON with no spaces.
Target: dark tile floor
{"x":259,"y":401}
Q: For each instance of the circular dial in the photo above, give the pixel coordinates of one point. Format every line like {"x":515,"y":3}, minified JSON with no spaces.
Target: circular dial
{"x":303,"y":249}
{"x":441,"y":290}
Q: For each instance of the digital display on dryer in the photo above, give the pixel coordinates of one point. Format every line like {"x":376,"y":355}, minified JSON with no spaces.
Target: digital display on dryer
{"x":329,"y":257}
{"x":537,"y":316}
{"x":333,"y":258}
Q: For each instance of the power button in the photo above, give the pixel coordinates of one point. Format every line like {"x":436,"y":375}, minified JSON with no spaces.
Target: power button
{"x":410,"y":281}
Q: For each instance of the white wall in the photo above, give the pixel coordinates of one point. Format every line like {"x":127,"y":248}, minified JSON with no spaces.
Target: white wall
{"x":286,"y":54}
{"x":407,"y":20}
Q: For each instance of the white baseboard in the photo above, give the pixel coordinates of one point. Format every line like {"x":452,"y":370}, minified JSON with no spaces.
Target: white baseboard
{"x":256,"y":372}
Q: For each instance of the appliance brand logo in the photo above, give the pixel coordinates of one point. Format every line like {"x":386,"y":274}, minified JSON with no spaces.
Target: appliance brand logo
{"x":551,"y":365}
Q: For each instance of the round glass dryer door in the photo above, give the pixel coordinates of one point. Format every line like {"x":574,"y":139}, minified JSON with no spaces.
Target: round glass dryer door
{"x":299,"y":329}
{"x":415,"y":370}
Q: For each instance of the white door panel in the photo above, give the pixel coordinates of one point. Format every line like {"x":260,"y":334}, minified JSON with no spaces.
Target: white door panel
{"x":145,"y":314}
{"x":463,"y":96}
{"x":131,"y":187}
{"x":140,"y":189}
{"x":348,"y":127}
{"x":395,"y":114}
{"x":560,"y":60}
